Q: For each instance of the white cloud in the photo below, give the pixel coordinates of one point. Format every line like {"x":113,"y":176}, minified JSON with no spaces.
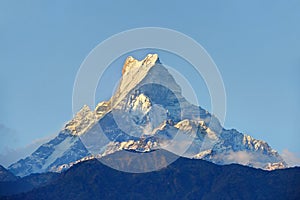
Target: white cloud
{"x":290,"y":158}
{"x":257,"y":160}
{"x":241,"y":157}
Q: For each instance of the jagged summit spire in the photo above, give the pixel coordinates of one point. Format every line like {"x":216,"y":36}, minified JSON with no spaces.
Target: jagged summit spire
{"x":131,"y":62}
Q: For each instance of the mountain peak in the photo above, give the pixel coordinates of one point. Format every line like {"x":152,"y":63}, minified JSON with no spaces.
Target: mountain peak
{"x":81,"y":122}
{"x":146,"y":100}
{"x":131,"y":62}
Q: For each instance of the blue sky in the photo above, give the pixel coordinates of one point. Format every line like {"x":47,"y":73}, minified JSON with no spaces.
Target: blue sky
{"x":255,"y":45}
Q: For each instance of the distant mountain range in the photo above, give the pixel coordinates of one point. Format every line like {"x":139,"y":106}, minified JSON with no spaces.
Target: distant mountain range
{"x":147,"y":113}
{"x":183,"y":179}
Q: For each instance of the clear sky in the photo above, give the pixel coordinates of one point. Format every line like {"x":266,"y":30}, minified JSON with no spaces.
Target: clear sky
{"x":255,"y":45}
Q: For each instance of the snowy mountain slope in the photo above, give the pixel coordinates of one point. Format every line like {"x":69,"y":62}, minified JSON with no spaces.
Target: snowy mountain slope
{"x":64,"y":148}
{"x":147,"y":112}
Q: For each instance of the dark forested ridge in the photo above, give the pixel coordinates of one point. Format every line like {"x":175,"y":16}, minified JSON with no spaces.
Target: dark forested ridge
{"x":183,"y":179}
{"x":6,"y":175}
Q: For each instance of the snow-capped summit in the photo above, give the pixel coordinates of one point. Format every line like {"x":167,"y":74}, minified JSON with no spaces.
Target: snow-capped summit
{"x":131,"y":63}
{"x":146,"y":112}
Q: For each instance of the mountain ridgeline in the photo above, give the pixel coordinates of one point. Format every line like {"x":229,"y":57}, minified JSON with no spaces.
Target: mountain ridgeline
{"x":147,"y":113}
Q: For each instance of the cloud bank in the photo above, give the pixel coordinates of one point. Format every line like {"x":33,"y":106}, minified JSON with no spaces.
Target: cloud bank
{"x":292,"y":159}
